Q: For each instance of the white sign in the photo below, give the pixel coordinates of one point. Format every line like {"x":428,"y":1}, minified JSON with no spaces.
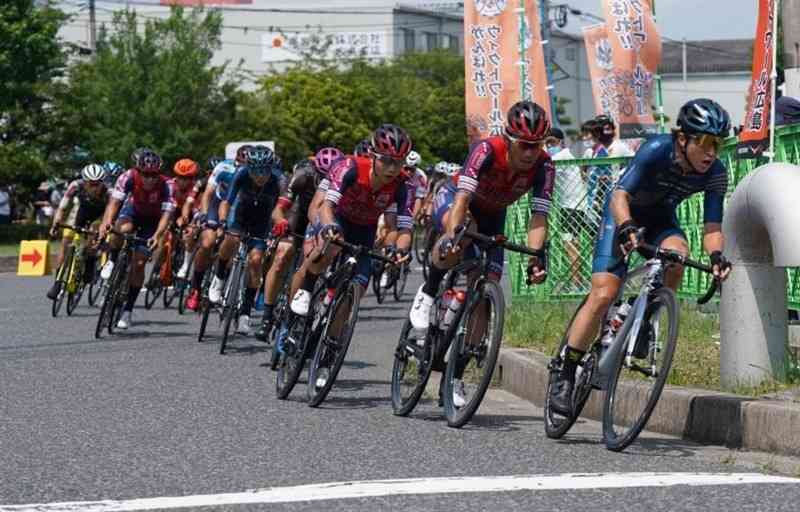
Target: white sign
{"x":290,"y":46}
{"x":232,"y":147}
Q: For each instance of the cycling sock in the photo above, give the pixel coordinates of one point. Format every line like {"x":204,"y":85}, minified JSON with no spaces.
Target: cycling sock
{"x":112,"y":255}
{"x":249,"y":298}
{"x":309,"y":281}
{"x":435,"y":276}
{"x":571,"y":359}
{"x":133,"y":294}
{"x":197,"y":279}
{"x":222,"y":270}
{"x":268,"y":308}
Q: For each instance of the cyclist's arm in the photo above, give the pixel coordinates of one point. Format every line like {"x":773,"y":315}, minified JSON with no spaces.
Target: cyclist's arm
{"x":541,"y":196}
{"x":167,"y":210}
{"x":479,"y":160}
{"x":233,"y":192}
{"x":537,"y":231}
{"x":186,"y":211}
{"x":343,"y":175}
{"x":316,"y":203}
{"x":65,"y":202}
{"x":205,"y":199}
{"x":287,"y":197}
{"x":713,"y":204}
{"x":398,"y":218}
{"x":112,"y":209}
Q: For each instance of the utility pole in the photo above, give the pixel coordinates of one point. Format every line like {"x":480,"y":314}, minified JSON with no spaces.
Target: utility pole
{"x":544,"y":21}
{"x":92,"y":29}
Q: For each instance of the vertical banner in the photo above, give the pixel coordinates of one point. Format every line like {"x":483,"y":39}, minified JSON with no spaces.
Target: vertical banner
{"x":754,"y":137}
{"x":492,"y":63}
{"x":601,"y":64}
{"x":636,"y":52}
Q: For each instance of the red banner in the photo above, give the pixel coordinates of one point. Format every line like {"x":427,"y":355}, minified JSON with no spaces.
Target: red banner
{"x":494,"y":71}
{"x":754,"y":138}
{"x":635,"y":53}
{"x":601,"y":64}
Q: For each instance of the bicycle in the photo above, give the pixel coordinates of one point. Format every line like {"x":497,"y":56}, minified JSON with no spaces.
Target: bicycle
{"x":205,"y":303}
{"x":378,"y":269}
{"x":637,"y":353}
{"x":423,"y":245}
{"x":117,"y":292}
{"x":175,"y":287}
{"x":71,"y":272}
{"x":233,"y":294}
{"x":281,"y":310}
{"x":98,"y":285}
{"x":309,"y":334}
{"x":161,"y":276}
{"x":448,"y":345}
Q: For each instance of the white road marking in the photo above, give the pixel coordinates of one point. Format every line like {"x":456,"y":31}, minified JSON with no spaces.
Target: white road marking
{"x":367,"y":489}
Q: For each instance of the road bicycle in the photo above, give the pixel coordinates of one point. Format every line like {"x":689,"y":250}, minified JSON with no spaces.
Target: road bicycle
{"x":423,"y":244}
{"x":640,"y":352}
{"x":281,"y":310}
{"x":462,"y":340}
{"x":118,"y":283}
{"x":175,"y":287}
{"x":71,"y":274}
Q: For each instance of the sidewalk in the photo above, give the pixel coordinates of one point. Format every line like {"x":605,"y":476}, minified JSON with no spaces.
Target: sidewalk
{"x":699,"y":415}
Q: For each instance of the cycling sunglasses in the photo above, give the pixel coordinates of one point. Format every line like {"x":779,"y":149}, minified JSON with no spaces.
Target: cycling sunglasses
{"x":391,"y":162}
{"x":258,"y":171}
{"x":526,"y":144}
{"x":708,"y":142}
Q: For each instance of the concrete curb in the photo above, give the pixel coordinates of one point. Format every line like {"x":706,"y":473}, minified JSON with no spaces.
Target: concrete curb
{"x":698,"y":415}
{"x":8,"y":263}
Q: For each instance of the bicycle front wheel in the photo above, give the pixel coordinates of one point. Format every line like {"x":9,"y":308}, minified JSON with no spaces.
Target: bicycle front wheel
{"x":471,"y":363}
{"x":331,"y":350}
{"x":400,"y":283}
{"x":626,"y":410}
{"x":154,"y":288}
{"x":96,"y":284}
{"x":231,"y":301}
{"x":62,"y":278}
{"x":294,"y":346}
{"x":411,"y":370}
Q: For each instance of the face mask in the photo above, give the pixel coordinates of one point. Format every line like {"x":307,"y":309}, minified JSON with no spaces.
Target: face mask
{"x":553,"y":150}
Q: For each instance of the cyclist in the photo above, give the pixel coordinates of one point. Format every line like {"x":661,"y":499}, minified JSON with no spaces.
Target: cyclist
{"x":86,"y":199}
{"x":185,"y":187}
{"x":253,"y":194}
{"x":143,"y":199}
{"x":498,"y":171}
{"x":215,"y":192}
{"x":113,"y":171}
{"x":362,"y":148}
{"x":666,"y":170}
{"x":293,"y":207}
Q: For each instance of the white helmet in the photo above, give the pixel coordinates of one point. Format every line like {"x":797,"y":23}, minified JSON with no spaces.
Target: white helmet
{"x":453,"y":169}
{"x":413,"y":159}
{"x":93,"y":172}
{"x":441,"y":167}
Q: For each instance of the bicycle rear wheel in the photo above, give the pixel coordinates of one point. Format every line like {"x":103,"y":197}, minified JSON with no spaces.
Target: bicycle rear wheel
{"x":555,"y":424}
{"x":173,"y":291}
{"x":410,"y":371}
{"x":400,"y":283}
{"x":108,"y":309}
{"x":623,"y":416}
{"x":472,"y":364}
{"x":96,"y":284}
{"x":330,"y":352}
{"x":380,"y":293}
{"x":296,"y":347}
{"x":62,"y":277}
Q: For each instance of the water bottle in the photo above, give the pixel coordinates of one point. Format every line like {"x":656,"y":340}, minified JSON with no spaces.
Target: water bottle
{"x":456,"y":302}
{"x":447,"y":297}
{"x":615,"y":323}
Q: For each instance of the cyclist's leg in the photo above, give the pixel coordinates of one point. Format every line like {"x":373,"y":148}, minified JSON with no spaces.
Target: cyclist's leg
{"x":66,"y":238}
{"x":357,"y":235}
{"x":672,"y":237}
{"x":312,"y":270}
{"x":309,"y":246}
{"x":277,"y":271}
{"x":145,"y":228}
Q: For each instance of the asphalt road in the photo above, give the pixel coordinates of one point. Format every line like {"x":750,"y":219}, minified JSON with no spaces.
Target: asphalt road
{"x":153,"y":413}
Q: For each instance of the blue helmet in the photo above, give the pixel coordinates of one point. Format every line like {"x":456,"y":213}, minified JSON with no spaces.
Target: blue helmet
{"x":703,"y":115}
{"x":113,"y":169}
{"x":259,"y":160}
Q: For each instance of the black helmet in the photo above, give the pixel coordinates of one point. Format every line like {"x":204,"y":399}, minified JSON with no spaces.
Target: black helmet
{"x":136,"y":154}
{"x":362,"y":148}
{"x":259,"y":160}
{"x":527,"y":121}
{"x":213,"y":162}
{"x":241,"y":153}
{"x":704,"y":116}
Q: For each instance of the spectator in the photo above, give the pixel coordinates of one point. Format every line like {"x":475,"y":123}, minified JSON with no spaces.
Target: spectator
{"x":41,"y":203}
{"x":570,"y":192}
{"x":599,"y":177}
{"x":5,"y":205}
{"x":787,"y":111}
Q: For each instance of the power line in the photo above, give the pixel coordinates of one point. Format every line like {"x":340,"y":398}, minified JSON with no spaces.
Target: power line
{"x":355,"y":10}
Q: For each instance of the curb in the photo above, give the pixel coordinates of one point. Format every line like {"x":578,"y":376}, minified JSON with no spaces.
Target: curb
{"x":8,"y":263}
{"x":694,"y":414}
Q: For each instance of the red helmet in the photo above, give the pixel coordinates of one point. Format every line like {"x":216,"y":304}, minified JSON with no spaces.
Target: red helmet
{"x":324,"y":159}
{"x":527,"y":121}
{"x":392,"y":141}
{"x":241,"y":153}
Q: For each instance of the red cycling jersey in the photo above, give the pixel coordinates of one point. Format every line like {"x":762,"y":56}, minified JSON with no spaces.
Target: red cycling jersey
{"x":352,"y":195}
{"x":492,"y":186}
{"x":147,"y":203}
{"x":180,"y":195}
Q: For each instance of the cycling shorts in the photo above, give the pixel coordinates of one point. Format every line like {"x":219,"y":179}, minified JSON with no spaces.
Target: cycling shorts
{"x":356,"y":234}
{"x":146,"y":227}
{"x":251,"y":219}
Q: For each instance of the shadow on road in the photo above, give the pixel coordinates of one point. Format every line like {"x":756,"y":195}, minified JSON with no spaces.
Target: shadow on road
{"x":643,"y":446}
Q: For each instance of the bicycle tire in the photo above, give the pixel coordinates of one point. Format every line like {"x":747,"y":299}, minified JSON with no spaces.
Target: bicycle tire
{"x":120,"y":290}
{"x":612,"y":440}
{"x":205,"y":306}
{"x":173,"y":292}
{"x":380,"y":293}
{"x":293,"y":360}
{"x":231,"y":308}
{"x":317,"y":396}
{"x":105,"y":317}
{"x":403,"y":406}
{"x":556,"y":425}
{"x":458,"y":417}
{"x":95,"y":285}
{"x":154,"y":289}
{"x":419,"y":245}
{"x":64,"y":268}
{"x":400,"y":283}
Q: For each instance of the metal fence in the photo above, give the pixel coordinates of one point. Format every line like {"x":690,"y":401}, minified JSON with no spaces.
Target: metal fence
{"x":580,"y":191}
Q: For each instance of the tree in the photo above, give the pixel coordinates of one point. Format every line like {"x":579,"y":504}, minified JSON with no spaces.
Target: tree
{"x":152,"y":86}
{"x":30,"y":58}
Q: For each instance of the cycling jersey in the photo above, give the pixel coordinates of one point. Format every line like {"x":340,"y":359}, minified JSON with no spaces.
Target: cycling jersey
{"x":251,"y":205}
{"x":145,"y":203}
{"x":86,"y":206}
{"x":417,"y":182}
{"x":354,"y":199}
{"x":657,"y":184}
{"x":300,"y":192}
{"x":492,"y":186}
{"x":180,"y":195}
{"x":221,"y":178}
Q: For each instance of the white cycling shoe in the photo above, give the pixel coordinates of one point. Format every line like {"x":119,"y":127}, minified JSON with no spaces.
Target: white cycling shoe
{"x":458,"y":394}
{"x":184,"y":270}
{"x":322,"y":378}
{"x":215,"y":290}
{"x":125,"y":320}
{"x":421,"y":310}
{"x":301,"y":302}
{"x":108,"y":268}
{"x":243,"y":325}
{"x":384,"y":280}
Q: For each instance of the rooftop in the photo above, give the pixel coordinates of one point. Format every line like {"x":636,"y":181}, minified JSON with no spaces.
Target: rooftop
{"x":718,"y":56}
